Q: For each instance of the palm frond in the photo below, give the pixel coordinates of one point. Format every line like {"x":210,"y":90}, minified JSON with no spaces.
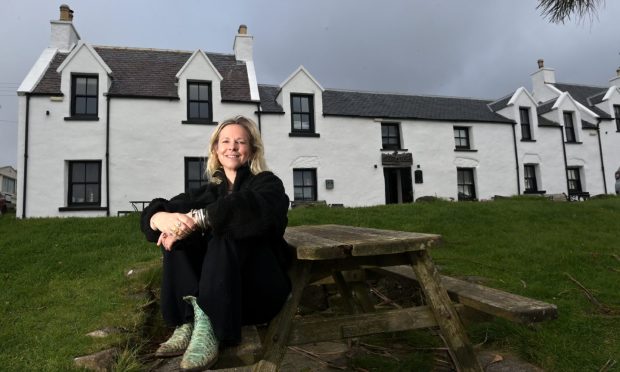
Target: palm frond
{"x":558,"y":11}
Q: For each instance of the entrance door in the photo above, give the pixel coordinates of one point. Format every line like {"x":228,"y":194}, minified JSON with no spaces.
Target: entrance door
{"x":398,"y":185}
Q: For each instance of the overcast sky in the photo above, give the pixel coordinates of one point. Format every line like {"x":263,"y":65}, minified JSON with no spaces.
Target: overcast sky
{"x":474,"y":48}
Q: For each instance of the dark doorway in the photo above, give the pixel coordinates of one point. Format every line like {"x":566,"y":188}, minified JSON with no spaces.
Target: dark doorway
{"x":398,"y":185}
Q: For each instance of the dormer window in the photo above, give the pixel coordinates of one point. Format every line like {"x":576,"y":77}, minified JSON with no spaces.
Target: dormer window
{"x":526,"y":128}
{"x":302,"y":115}
{"x":569,"y":127}
{"x":84,"y":96}
{"x":199,"y":106}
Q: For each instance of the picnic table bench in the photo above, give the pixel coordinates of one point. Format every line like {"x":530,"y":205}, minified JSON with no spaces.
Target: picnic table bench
{"x":331,"y":250}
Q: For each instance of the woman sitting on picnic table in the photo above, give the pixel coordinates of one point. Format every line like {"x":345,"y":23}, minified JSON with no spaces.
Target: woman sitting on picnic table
{"x":224,"y":256}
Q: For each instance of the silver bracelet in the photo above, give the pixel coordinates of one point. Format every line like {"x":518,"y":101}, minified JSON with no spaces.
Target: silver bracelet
{"x":201,"y":217}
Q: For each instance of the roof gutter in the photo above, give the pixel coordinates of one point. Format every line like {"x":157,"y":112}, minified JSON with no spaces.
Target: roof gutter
{"x":26,"y":155}
{"x":600,"y":150}
{"x":258,"y":112}
{"x":514,"y":141}
{"x":107,"y":156}
{"x":565,"y":161}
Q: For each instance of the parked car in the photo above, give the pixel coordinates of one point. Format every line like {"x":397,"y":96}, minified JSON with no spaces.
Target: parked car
{"x":618,"y":182}
{"x":3,"y":206}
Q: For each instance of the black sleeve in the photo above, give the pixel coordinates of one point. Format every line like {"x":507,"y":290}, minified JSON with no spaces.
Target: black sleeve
{"x":259,"y":209}
{"x":181,"y":203}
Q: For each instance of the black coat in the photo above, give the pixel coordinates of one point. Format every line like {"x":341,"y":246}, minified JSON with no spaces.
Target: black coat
{"x":256,"y":209}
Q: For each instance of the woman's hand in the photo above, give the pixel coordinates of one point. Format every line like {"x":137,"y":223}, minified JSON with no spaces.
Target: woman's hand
{"x":176,"y":225}
{"x":166,"y":241}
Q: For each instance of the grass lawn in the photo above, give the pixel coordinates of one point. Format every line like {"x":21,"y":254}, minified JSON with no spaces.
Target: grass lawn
{"x":62,"y":278}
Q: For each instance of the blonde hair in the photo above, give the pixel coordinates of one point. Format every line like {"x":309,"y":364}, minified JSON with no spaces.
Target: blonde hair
{"x":256,"y":162}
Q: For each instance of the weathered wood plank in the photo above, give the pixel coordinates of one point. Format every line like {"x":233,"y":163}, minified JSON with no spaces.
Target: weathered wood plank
{"x":347,"y":326}
{"x":247,"y":352}
{"x":446,"y":316}
{"x":317,"y":242}
{"x":492,"y":301}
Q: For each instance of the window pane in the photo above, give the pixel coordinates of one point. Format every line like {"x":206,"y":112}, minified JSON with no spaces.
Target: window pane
{"x":305,"y":104}
{"x":298,"y":178}
{"x":80,"y":105}
{"x":91,"y":88}
{"x":92,"y":193}
{"x":193,"y":170}
{"x":384,"y":131}
{"x":308,"y":179}
{"x":299,"y":193}
{"x":77,"y":194}
{"x":305,"y":121}
{"x":193,"y":110}
{"x":92,"y":172}
{"x":80,"y":86}
{"x":297,"y":121}
{"x":204,"y":110}
{"x":77,"y":172}
{"x":296,"y":104}
{"x":310,"y":194}
{"x":203,"y":92}
{"x":91,"y":105}
{"x":193,"y":91}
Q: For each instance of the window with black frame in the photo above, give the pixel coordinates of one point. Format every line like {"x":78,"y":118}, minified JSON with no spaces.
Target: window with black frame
{"x":466,"y":184}
{"x":526,"y":128}
{"x":569,"y":127}
{"x":304,"y":184}
{"x":199,"y":108}
{"x":574,"y":180}
{"x":195,"y":176}
{"x":390,"y":136}
{"x":529,"y":174}
{"x":84,"y":183}
{"x":302,"y":113}
{"x":461,"y":138}
{"x":617,"y":115}
{"x":84,"y":96}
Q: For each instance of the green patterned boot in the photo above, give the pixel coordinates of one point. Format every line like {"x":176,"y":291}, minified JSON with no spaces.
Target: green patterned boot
{"x":177,"y":343}
{"x":202,"y":351}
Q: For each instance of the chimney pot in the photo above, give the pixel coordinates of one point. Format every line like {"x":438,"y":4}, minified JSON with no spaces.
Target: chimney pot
{"x":541,"y":63}
{"x":66,"y":14}
{"x":243,"y":29}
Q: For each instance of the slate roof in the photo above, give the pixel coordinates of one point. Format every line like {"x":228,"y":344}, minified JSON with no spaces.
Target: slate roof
{"x":545,"y":107}
{"x":585,"y":94}
{"x":501,"y":103}
{"x":544,"y":122}
{"x":587,"y":125}
{"x":151,"y":73}
{"x":268,"y":102}
{"x":397,"y":106}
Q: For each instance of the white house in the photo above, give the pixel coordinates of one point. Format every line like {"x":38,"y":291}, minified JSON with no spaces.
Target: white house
{"x":100,"y":127}
{"x":8,"y":183}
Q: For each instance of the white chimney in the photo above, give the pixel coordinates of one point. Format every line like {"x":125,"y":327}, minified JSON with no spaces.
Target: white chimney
{"x":64,"y":36}
{"x":243,"y":45}
{"x":244,"y":51}
{"x":616,"y":80}
{"x":540,"y":78}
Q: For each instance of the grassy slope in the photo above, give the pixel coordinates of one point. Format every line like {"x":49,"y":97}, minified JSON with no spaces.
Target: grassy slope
{"x":62,"y":278}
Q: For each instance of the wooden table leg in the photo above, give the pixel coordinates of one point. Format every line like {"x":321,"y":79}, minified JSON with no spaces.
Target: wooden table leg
{"x":280,"y":327}
{"x":446,"y":316}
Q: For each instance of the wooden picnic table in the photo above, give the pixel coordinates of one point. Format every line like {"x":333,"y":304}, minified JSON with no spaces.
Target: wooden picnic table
{"x":329,"y":250}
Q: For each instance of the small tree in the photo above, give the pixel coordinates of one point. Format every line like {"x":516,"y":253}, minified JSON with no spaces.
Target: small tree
{"x":558,"y":11}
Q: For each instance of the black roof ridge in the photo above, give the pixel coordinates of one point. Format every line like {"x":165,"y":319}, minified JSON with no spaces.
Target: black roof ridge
{"x":158,"y":50}
{"x":407,"y":95}
{"x":582,"y":85}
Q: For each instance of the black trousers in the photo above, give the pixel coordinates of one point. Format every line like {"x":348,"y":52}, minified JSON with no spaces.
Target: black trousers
{"x":236,"y":283}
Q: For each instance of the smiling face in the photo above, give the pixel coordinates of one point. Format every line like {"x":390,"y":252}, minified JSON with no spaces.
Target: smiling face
{"x":233,"y":149}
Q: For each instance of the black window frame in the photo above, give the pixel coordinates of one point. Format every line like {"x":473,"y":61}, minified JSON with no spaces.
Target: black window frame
{"x":311,"y":130}
{"x":88,"y":97}
{"x":390,"y":137}
{"x":529,"y":178}
{"x":569,"y":126}
{"x":574,"y":181}
{"x":71,"y":183}
{"x":311,"y":173}
{"x":199,"y":100}
{"x":202,"y":164}
{"x":617,"y":115}
{"x":526,"y":125}
{"x":458,"y":138}
{"x":460,"y":184}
